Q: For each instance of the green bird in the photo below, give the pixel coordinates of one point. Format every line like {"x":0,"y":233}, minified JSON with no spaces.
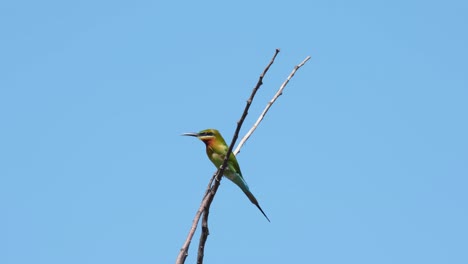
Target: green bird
{"x":216,"y":149}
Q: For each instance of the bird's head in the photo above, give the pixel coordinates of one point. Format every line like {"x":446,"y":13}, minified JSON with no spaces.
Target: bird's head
{"x":208,"y":136}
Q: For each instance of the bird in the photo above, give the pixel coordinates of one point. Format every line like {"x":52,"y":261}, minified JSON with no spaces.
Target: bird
{"x":216,"y":149}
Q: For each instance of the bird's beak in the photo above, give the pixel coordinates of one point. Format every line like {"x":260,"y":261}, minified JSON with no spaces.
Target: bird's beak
{"x":192,"y":134}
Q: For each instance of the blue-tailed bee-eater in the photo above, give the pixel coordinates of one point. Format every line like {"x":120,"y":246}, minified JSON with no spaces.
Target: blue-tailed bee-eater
{"x":216,"y":149}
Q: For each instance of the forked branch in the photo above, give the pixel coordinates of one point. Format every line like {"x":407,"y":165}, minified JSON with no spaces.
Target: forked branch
{"x":216,"y":179}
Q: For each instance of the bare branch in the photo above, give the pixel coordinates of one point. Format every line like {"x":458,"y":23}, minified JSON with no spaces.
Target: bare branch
{"x":262,"y":115}
{"x":208,"y":198}
{"x":185,"y":247}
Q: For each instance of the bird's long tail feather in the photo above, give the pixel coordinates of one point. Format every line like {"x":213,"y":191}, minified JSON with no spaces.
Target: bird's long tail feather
{"x":254,"y":201}
{"x":239,"y":181}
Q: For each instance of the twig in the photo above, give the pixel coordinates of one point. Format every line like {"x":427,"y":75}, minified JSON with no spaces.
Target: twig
{"x":262,"y":115}
{"x":203,"y":236}
{"x":204,"y":207}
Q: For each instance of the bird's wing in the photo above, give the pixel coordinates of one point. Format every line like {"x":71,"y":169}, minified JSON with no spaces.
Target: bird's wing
{"x":235,"y":165}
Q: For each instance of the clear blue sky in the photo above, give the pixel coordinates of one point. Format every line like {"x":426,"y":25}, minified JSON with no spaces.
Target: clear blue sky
{"x":364,"y":159}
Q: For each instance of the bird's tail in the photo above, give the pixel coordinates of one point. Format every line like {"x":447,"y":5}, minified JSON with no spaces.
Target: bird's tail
{"x":239,"y":181}
{"x":254,"y":201}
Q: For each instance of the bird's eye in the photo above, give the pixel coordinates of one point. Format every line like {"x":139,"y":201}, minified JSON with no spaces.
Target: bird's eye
{"x":207,"y":134}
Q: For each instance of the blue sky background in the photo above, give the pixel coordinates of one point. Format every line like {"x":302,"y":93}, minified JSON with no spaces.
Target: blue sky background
{"x":364,"y":159}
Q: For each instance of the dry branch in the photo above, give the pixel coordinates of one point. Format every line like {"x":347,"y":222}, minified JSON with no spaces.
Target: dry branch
{"x":215,"y":180}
